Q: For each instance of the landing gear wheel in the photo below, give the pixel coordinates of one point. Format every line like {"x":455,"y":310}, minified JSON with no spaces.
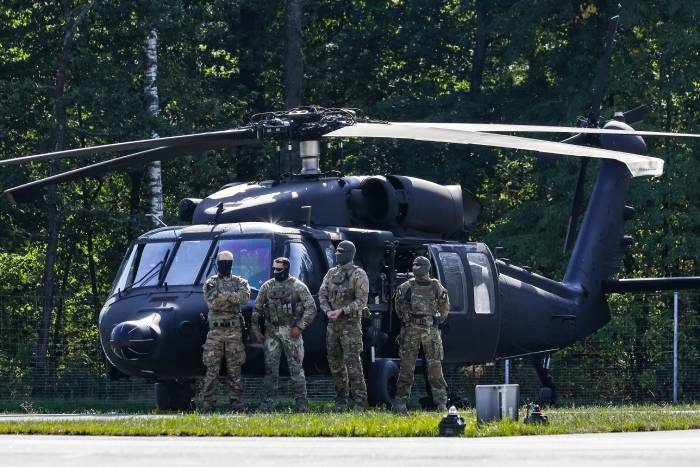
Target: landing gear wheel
{"x":174,"y":395}
{"x":546,"y":396}
{"x":381,"y":382}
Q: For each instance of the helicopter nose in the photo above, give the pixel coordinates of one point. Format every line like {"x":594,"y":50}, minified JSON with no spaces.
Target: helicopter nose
{"x":132,"y":340}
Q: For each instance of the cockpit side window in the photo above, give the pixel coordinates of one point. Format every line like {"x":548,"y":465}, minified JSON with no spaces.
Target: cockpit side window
{"x":125,"y":271}
{"x":252,"y":259}
{"x":454,"y":280}
{"x":187,"y":262}
{"x":300,"y":261}
{"x":483,"y":283}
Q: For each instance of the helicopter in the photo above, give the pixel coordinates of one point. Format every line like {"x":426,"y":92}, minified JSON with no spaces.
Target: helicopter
{"x":154,"y":320}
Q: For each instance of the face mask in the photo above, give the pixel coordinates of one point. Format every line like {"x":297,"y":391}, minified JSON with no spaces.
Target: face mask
{"x":224,"y":267}
{"x":343,"y":257}
{"x":281,"y":275}
{"x":421,"y":268}
{"x":345,"y":252}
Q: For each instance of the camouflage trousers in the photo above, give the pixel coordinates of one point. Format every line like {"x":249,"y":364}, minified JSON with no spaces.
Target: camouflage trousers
{"x":223,"y":344}
{"x":344,"y":346}
{"x":278,"y":340}
{"x":411,"y":338}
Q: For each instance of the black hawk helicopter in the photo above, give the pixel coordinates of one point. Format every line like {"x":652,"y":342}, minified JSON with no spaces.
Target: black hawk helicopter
{"x":155,"y":319}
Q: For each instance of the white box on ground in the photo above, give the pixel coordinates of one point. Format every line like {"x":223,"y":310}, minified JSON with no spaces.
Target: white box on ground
{"x":497,"y":401}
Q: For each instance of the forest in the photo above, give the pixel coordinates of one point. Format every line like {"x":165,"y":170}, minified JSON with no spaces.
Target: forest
{"x":75,"y":73}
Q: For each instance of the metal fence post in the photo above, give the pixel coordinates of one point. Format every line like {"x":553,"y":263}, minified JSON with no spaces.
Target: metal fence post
{"x":507,"y":371}
{"x":675,"y":347}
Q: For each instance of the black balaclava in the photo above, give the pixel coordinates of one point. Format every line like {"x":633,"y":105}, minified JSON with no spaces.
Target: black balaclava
{"x":282,"y":275}
{"x":345,"y":252}
{"x":224,"y":263}
{"x":421,"y":269}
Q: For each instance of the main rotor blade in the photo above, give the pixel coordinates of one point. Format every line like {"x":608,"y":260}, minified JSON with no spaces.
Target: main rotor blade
{"x":171,"y":141}
{"x":508,"y":128}
{"x":637,"y":165}
{"x":575,"y":207}
{"x":636,"y":115}
{"x":602,"y":78}
{"x":32,"y":190}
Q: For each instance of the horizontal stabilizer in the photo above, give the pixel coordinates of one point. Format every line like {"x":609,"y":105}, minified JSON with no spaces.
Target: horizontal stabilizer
{"x":651,"y":284}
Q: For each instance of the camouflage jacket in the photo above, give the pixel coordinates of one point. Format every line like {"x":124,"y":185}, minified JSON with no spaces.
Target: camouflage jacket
{"x":283,"y":303}
{"x":345,"y":287}
{"x":224,"y":297}
{"x":416,"y":300}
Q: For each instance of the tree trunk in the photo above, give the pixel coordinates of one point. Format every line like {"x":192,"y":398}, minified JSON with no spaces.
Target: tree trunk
{"x":293,"y":66}
{"x":150,"y":91}
{"x":293,"y":73}
{"x":479,"y":57}
{"x":73,"y":17}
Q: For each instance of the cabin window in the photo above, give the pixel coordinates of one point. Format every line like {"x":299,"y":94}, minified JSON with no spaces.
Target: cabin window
{"x":125,"y":271}
{"x":301,"y":264}
{"x":252,"y":259}
{"x":483,"y":283}
{"x":187,"y":262}
{"x":149,"y":263}
{"x":454,"y":280}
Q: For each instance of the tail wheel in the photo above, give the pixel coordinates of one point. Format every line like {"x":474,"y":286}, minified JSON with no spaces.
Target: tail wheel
{"x":381,"y":384}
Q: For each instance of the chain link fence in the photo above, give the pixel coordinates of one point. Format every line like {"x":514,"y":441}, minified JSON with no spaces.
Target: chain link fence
{"x":630,"y":360}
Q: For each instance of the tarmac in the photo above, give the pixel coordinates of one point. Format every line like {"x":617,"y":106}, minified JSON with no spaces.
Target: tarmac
{"x":676,"y":448}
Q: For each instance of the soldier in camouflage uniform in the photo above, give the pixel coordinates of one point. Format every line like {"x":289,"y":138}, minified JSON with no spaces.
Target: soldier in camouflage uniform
{"x":288,"y":308}
{"x":343,"y":298}
{"x":224,"y":294}
{"x":420,"y":303}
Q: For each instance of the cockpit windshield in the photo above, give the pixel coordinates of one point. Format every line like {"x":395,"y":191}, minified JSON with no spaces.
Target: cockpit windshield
{"x":151,"y":260}
{"x":144,"y":263}
{"x":188,"y":260}
{"x":252,"y":259}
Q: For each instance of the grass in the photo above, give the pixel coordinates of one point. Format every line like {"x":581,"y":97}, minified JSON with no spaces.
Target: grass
{"x":77,"y":405}
{"x":371,"y":423}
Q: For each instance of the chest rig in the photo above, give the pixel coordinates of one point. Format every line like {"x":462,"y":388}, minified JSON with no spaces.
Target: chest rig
{"x":339,"y":291}
{"x":422,"y":298}
{"x":280,"y":308}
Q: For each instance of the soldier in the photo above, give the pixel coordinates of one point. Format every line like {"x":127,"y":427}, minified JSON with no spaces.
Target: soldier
{"x":224,"y":294}
{"x":288,"y":308}
{"x":420,"y":303}
{"x":343,"y":298}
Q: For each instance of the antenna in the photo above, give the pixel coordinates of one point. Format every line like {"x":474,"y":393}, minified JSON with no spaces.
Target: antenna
{"x":157,"y":219}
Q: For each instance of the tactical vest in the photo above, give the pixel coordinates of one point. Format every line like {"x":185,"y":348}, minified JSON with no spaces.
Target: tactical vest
{"x":339,"y":291}
{"x":423,"y":298}
{"x":280,"y":308}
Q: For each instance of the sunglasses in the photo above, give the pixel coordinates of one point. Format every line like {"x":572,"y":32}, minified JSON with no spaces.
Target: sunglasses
{"x":278,"y":269}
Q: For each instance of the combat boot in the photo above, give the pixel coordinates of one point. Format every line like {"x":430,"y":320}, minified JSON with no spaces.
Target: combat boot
{"x":237,"y":406}
{"x":340,"y":404}
{"x":360,"y":406}
{"x":302,"y":405}
{"x":207,"y":408}
{"x":399,"y":407}
{"x":267,"y":405}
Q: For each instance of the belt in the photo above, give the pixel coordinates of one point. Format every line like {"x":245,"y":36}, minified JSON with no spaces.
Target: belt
{"x":421,"y":320}
{"x":224,"y":324}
